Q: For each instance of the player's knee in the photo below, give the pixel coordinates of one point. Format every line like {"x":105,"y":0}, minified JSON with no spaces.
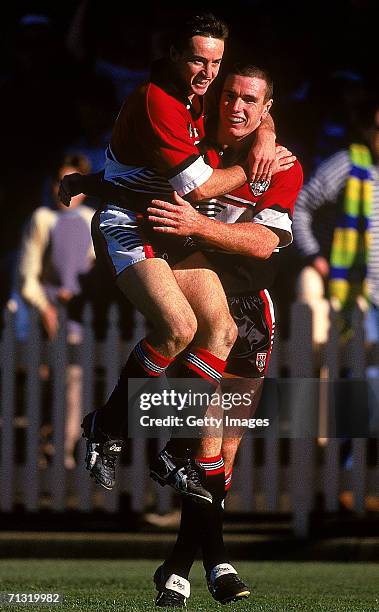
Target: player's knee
{"x":181,"y":332}
{"x":219,"y":329}
{"x":230,"y":332}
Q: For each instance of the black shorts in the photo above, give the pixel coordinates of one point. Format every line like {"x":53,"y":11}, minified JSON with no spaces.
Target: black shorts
{"x":254,"y":317}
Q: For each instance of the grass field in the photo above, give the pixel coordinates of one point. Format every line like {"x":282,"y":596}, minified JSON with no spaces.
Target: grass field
{"x":105,"y":586}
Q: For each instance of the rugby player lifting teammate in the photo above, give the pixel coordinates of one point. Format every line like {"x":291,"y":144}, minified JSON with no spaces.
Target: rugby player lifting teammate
{"x":156,"y":148}
{"x":261,"y":225}
{"x":246,"y":271}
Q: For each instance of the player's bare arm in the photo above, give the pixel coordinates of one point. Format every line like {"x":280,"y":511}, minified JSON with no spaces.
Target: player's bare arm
{"x":219,"y":183}
{"x":262,"y":154}
{"x":181,"y":219}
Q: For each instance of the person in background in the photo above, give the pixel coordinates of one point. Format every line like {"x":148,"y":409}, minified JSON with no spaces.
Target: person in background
{"x":55,"y":257}
{"x":336,"y":230}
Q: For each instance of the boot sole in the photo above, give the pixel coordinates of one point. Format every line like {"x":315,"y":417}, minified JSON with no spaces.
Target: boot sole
{"x":199,"y":499}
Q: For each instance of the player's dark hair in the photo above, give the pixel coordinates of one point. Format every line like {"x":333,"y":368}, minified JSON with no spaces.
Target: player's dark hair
{"x":198,"y":24}
{"x":249,"y":70}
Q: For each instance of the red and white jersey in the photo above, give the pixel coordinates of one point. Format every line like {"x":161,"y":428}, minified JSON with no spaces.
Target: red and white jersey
{"x":241,"y":275}
{"x":274,"y":208}
{"x":155,"y":142}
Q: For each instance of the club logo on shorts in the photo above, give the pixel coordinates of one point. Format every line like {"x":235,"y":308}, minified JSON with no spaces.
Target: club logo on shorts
{"x":260,"y":361}
{"x":259,"y":187}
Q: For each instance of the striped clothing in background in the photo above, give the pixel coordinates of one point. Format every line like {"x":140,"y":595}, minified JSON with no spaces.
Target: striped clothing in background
{"x":316,"y":214}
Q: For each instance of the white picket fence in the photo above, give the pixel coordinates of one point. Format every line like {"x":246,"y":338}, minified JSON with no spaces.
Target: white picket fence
{"x":262,"y":481}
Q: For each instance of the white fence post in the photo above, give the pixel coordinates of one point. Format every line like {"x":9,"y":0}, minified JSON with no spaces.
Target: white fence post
{"x":112,"y":369}
{"x":302,"y":450}
{"x":139,"y":465}
{"x":8,"y":376}
{"x":88,"y":363}
{"x":245,"y":477}
{"x":58,"y":366}
{"x":331,"y":472}
{"x":33,"y":411}
{"x":359,"y":445}
{"x":271,"y":467}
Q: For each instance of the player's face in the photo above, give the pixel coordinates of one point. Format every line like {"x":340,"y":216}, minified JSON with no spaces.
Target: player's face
{"x":199,"y":63}
{"x":242,"y":107}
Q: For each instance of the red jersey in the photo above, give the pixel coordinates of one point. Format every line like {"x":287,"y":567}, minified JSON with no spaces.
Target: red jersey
{"x":155,"y":142}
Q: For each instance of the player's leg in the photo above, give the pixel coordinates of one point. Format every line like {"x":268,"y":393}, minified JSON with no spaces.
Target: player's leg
{"x":203,"y":526}
{"x":150,"y":286}
{"x":204,"y":360}
{"x":216,"y":330}
{"x":249,"y":358}
{"x":196,"y":282}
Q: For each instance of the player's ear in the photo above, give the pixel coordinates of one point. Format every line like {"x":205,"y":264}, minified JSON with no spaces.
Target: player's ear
{"x":267,"y":107}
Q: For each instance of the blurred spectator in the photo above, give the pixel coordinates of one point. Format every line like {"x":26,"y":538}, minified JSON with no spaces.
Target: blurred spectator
{"x":56,"y":251}
{"x":336,"y":229}
{"x":56,"y":254}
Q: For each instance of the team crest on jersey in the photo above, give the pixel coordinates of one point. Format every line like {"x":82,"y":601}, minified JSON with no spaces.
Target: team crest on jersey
{"x":260,"y":361}
{"x":257,"y":188}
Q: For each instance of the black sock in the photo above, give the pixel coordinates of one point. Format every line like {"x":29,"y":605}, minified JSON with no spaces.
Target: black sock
{"x":187,"y":543}
{"x":212,"y":516}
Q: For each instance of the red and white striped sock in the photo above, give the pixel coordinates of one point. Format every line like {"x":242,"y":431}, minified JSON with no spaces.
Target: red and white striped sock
{"x":200,"y":363}
{"x":211,"y":465}
{"x":147,"y":361}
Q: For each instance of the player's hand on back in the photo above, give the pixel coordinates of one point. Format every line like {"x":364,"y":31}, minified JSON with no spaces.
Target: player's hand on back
{"x":179,"y":218}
